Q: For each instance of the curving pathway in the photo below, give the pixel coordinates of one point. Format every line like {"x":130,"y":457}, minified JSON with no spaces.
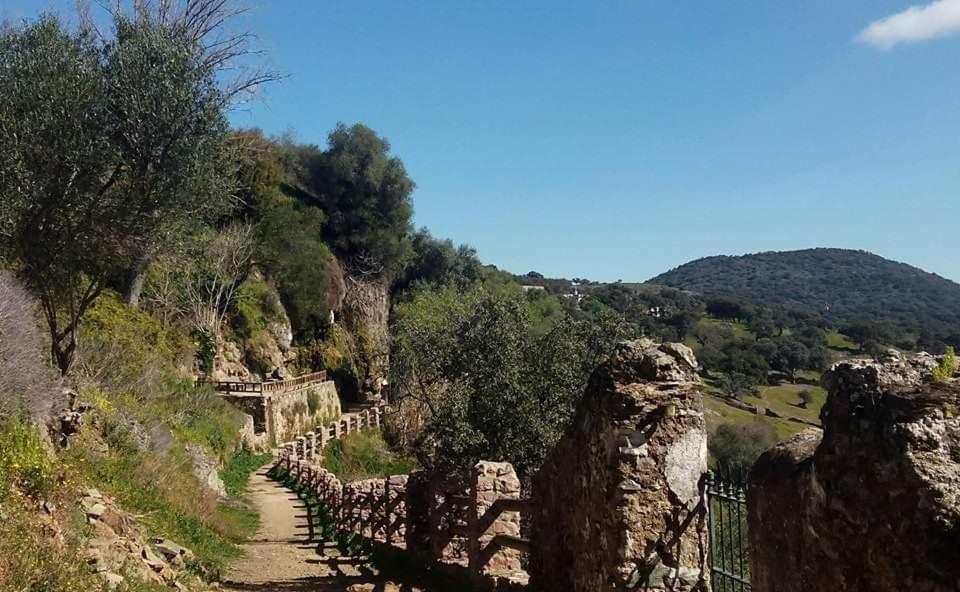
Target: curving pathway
{"x":285,"y":556}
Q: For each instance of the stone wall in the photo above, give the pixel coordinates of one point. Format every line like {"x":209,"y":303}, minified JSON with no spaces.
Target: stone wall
{"x":619,"y":504}
{"x":873,"y":501}
{"x":288,"y":413}
{"x":285,"y":414}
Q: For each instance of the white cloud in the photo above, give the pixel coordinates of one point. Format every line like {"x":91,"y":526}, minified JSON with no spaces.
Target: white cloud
{"x":917,"y":23}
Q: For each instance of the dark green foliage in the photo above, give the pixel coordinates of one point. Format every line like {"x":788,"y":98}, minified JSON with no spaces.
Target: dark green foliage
{"x":364,"y":455}
{"x":365,"y":193}
{"x":737,"y":446}
{"x":790,"y":355}
{"x":293,"y":254}
{"x":846,"y":287}
{"x":655,"y":311}
{"x":437,"y":261}
{"x":488,"y":385}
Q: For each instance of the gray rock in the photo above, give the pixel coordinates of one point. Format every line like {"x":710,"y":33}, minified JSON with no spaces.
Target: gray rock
{"x":112,"y":580}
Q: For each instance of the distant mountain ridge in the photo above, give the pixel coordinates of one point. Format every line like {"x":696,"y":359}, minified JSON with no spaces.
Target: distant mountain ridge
{"x":843,"y":285}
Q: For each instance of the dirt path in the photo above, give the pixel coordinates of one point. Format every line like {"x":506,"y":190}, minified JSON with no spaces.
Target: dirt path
{"x":284,"y":556}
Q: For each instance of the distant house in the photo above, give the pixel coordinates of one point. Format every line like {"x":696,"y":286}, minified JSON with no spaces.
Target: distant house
{"x":528,"y":288}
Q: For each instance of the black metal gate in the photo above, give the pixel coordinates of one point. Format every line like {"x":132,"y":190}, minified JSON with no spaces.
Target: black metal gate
{"x":729,"y":541}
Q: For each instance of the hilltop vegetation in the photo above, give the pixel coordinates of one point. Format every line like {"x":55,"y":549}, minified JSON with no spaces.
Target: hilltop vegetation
{"x":845,"y":287}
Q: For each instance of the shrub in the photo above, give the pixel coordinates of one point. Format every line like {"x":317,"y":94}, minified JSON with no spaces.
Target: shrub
{"x":947,"y":366}
{"x":364,"y":455}
{"x":129,"y":350}
{"x":258,"y":304}
{"x":737,"y":446}
{"x":806,"y":397}
{"x":24,"y":463}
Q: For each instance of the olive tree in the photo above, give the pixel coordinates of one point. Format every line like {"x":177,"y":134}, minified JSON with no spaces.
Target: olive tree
{"x":171,"y":133}
{"x":62,"y":216}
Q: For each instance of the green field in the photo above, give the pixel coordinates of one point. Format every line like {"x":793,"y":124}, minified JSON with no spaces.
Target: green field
{"x":839,"y":342}
{"x":783,"y":399}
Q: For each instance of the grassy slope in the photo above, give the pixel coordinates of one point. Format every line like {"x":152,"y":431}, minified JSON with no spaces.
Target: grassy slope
{"x":133,"y":445}
{"x":364,"y":455}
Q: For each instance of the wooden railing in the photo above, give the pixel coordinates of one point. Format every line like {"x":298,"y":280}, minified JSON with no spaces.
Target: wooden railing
{"x":270,"y":386}
{"x":473,"y":528}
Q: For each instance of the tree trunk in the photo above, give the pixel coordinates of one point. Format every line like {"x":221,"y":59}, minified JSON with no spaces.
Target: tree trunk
{"x":63,"y":351}
{"x":136,"y":278}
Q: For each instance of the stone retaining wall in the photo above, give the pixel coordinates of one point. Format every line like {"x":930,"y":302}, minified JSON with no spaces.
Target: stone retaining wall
{"x":278,"y":415}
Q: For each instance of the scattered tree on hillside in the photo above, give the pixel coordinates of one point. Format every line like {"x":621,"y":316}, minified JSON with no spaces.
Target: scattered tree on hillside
{"x":790,"y":356}
{"x":725,"y":309}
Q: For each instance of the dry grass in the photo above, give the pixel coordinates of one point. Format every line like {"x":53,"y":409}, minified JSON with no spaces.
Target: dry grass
{"x":26,"y":378}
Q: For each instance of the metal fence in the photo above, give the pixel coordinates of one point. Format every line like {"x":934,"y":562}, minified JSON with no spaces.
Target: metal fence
{"x":729,"y":540}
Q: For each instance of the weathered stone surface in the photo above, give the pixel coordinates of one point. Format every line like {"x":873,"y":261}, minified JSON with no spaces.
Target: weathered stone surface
{"x":618,"y":504}
{"x":873,"y":501}
{"x":491,"y":482}
{"x":207,"y":470}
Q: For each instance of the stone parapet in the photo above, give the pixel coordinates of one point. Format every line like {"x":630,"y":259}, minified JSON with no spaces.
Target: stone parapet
{"x":620,"y":502}
{"x":873,"y":501}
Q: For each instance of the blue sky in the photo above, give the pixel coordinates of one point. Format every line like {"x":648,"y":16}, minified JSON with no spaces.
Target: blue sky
{"x":617,"y":139}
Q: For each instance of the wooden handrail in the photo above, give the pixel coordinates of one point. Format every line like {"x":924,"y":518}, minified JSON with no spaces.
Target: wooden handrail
{"x":270,"y":386}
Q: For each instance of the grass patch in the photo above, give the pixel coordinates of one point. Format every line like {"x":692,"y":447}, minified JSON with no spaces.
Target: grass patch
{"x":784,"y":399}
{"x":364,"y":455}
{"x":170,"y":500}
{"x":740,"y":330}
{"x":839,"y":342}
{"x":718,"y":413}
{"x":236,"y":473}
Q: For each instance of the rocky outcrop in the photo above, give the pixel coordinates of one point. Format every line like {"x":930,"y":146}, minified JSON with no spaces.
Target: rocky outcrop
{"x":619,"y":502}
{"x":117,"y":547}
{"x":873,"y":501}
{"x":228,"y":364}
{"x":365,"y":315}
{"x":207,"y":470}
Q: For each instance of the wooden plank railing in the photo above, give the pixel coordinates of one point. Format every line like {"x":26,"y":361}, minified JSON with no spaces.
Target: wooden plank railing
{"x":270,"y":386}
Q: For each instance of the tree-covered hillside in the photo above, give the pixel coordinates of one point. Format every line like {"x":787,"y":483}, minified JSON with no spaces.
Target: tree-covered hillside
{"x":844,"y":286}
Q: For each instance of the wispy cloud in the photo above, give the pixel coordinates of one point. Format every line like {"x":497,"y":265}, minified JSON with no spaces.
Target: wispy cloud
{"x":917,"y":23}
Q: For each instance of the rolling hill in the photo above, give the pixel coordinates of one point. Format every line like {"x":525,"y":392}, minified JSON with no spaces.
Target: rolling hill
{"x":842,"y":285}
